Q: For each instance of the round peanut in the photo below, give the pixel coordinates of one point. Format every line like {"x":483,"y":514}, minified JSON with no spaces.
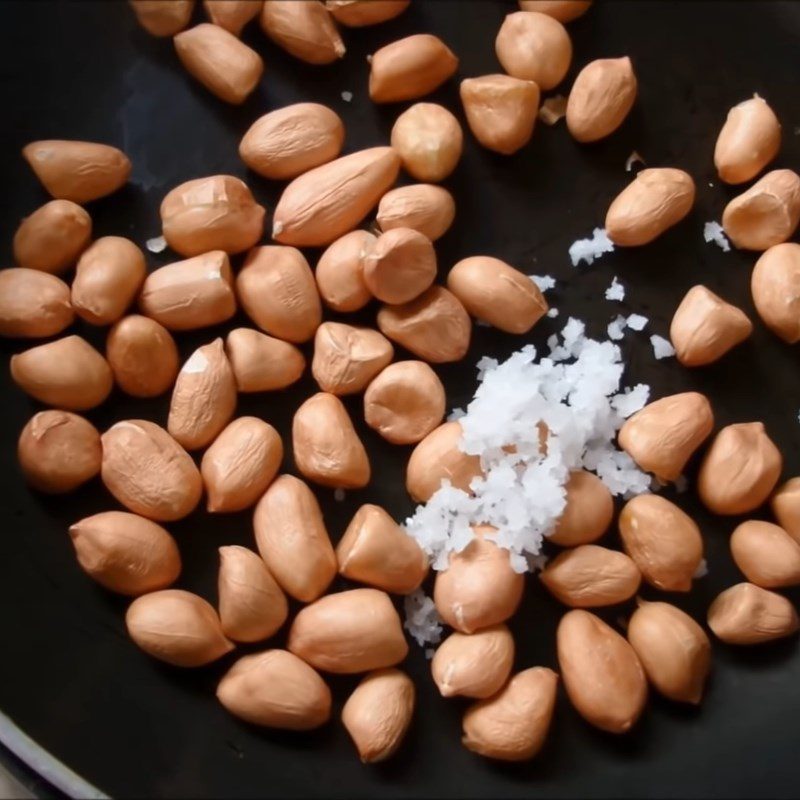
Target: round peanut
{"x":52,"y":238}
{"x":400,"y":266}
{"x":33,"y":304}
{"x":340,"y":271}
{"x":588,"y":512}
{"x":422,"y":207}
{"x":429,"y":141}
{"x":775,"y":286}
{"x":766,"y":554}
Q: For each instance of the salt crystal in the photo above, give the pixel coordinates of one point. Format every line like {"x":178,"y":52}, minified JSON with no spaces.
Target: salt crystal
{"x":616,"y":328}
{"x":636,"y":322}
{"x":616,"y":291}
{"x":662,"y":348}
{"x":347,"y":96}
{"x":590,"y":249}
{"x":552,"y":313}
{"x":633,"y":158}
{"x":156,"y":245}
{"x":422,"y":619}
{"x":544,"y":282}
{"x":702,"y":569}
{"x":714,"y":232}
{"x":631,"y":400}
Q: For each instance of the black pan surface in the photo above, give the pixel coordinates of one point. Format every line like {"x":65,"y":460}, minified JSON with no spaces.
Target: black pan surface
{"x":68,"y":675}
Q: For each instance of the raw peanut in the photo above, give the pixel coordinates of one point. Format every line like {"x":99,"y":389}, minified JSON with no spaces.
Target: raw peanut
{"x":474,"y":665}
{"x":501,"y":111}
{"x":232,"y":15}
{"x":360,"y":13}
{"x":663,"y":435}
{"x":292,"y":140}
{"x":748,"y":614}
{"x":125,"y":553}
{"x":149,"y":472}
{"x":204,"y":398}
{"x":346,"y":359}
{"x":479,"y":588}
{"x":52,"y":238}
{"x":513,"y":725}
{"x":766,"y":554}
{"x":349,"y":632}
{"x":405,"y":402}
{"x":748,"y":141}
{"x":429,"y":141}
{"x":177,"y":627}
{"x":292,"y":539}
{"x":67,"y":373}
{"x":190,"y":294}
{"x":375,"y":550}
{"x":277,"y":291}
{"x":107,"y":279}
{"x":77,"y":171}
{"x":602,"y":674}
{"x":304,"y":29}
{"x":227,"y":67}
{"x":705,"y":327}
{"x":434,"y":326}
{"x":410,"y":68}
{"x":497,"y":293}
{"x":589,"y":576}
{"x":340,"y":271}
{"x":652,"y":203}
{"x":326,"y":447}
{"x":766,"y":214}
{"x":33,"y":304}
{"x":143,"y":356}
{"x":59,"y":451}
{"x":422,"y":207}
{"x":378,"y":713}
{"x":588,"y":512}
{"x":261,"y":363}
{"x":562,"y":10}
{"x":775,"y":286}
{"x":601,"y":98}
{"x":673,"y":648}
{"x":252,"y":606}
{"x":241,"y":462}
{"x":785,"y":504}
{"x":664,"y":542}
{"x":740,"y":469}
{"x":438,"y":457}
{"x":330,"y":200}
{"x":163,"y":17}
{"x":400,"y":266}
{"x":216,"y":213}
{"x":277,"y":690}
{"x":534,"y":47}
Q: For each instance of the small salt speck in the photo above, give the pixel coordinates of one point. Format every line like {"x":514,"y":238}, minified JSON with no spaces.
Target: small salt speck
{"x":347,"y":96}
{"x":702,"y":569}
{"x":429,"y":653}
{"x":633,"y":158}
{"x":711,"y":185}
{"x":636,"y":322}
{"x":339,"y":495}
{"x":590,"y":249}
{"x":714,"y":232}
{"x":616,"y":328}
{"x":544,"y":282}
{"x":616,"y":291}
{"x":552,"y":313}
{"x":661,"y":347}
{"x":156,"y":245}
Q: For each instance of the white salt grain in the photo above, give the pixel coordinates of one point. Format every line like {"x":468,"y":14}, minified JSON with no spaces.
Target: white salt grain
{"x":616,"y":328}
{"x":422,"y":619}
{"x":544,"y":282}
{"x":636,"y":322}
{"x":714,"y":232}
{"x":633,"y":158}
{"x":552,"y":313}
{"x":347,"y":96}
{"x":631,"y":400}
{"x":157,"y":245}
{"x":616,"y":291}
{"x":662,"y":348}
{"x":590,"y":249}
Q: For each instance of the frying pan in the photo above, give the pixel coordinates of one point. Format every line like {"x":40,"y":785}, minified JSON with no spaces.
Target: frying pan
{"x":129,"y":726}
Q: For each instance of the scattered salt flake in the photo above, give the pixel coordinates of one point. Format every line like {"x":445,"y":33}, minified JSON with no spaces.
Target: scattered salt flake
{"x":636,"y":322}
{"x":633,"y":158}
{"x":339,"y":495}
{"x":553,"y":109}
{"x":347,"y":96}
{"x":616,"y":328}
{"x":714,"y":232}
{"x":662,"y":348}
{"x":681,"y":484}
{"x":156,"y":245}
{"x":430,"y":652}
{"x":552,"y":313}
{"x":590,"y":249}
{"x":422,"y":619}
{"x":616,"y":291}
{"x":631,"y":400}
{"x":702,"y":569}
{"x":544,"y":282}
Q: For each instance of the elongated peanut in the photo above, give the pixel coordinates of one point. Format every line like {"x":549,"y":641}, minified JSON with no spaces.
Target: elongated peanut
{"x":663,"y":435}
{"x":766,"y":214}
{"x":349,"y":632}
{"x":422,"y":207}
{"x":740,"y":469}
{"x":292,"y":539}
{"x":602,"y":674}
{"x":292,"y":140}
{"x":785,"y":504}
{"x":674,"y":650}
{"x":107,"y":279}
{"x":562,"y":10}
{"x":375,"y":550}
{"x":277,"y":690}
{"x":346,"y":358}
{"x":705,"y":327}
{"x":748,"y":614}
{"x":177,"y":627}
{"x":241,"y":462}
{"x":360,"y":13}
{"x":513,"y":725}
{"x":340,"y":271}
{"x":474,"y":665}
{"x":126,"y":553}
{"x":410,"y":68}
{"x":67,"y":373}
{"x":163,"y":17}
{"x":378,"y":713}
{"x":232,"y":15}
{"x":434,"y":326}
{"x":303,"y":28}
{"x":52,"y":237}
{"x":328,"y":201}
{"x":588,"y":512}
{"x":400,"y":266}
{"x":77,"y":171}
{"x":149,"y":472}
{"x":429,"y":141}
{"x":59,"y":451}
{"x":748,"y":141}
{"x":190,"y":294}
{"x":252,"y":606}
{"x":326,"y":447}
{"x":775,"y":286}
{"x":33,"y":304}
{"x":261,"y":363}
{"x":766,"y":554}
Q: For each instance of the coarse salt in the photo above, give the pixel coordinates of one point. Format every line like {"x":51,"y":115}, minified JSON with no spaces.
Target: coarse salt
{"x":544,"y":282}
{"x":156,"y":245}
{"x":616,"y":291}
{"x":633,"y":158}
{"x":714,"y":232}
{"x":662,"y":348}
{"x":422,"y":620}
{"x":616,"y":328}
{"x":347,"y":96}
{"x":590,"y":249}
{"x":636,"y":322}
{"x":552,"y":313}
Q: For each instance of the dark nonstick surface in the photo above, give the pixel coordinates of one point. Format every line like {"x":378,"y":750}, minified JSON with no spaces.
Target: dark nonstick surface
{"x":68,"y":675}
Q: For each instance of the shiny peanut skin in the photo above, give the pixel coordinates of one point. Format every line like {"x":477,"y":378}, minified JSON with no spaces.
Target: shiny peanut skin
{"x":52,"y":237}
{"x":775,"y":287}
{"x":767,"y":555}
{"x":33,"y":304}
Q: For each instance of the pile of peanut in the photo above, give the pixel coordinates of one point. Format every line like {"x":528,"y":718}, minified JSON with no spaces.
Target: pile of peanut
{"x":149,"y":469}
